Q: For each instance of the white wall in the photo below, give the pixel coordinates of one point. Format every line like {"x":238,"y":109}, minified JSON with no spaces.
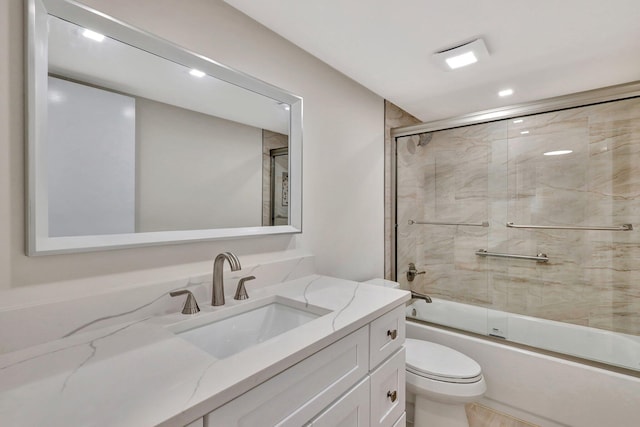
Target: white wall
{"x":343,"y":148}
{"x":195,"y":171}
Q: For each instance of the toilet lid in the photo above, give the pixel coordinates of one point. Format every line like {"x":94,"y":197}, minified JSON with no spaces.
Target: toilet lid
{"x":440,"y":363}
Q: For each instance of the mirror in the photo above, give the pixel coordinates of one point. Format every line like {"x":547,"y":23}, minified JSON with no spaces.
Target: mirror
{"x":135,"y":141}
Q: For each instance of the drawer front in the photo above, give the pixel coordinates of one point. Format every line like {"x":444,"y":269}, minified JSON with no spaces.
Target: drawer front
{"x":387,"y":334}
{"x":388,"y":391}
{"x":352,"y":410}
{"x":296,"y":395}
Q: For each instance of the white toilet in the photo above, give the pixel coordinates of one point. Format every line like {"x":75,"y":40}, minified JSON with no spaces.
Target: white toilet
{"x":442,"y":381}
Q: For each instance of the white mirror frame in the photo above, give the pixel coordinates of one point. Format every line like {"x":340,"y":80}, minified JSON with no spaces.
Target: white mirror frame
{"x":38,"y":240}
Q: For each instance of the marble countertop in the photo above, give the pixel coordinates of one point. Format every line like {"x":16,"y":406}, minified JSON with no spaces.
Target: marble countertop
{"x":141,"y":374}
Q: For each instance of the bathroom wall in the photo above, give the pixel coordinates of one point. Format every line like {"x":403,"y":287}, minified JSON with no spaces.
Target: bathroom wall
{"x":182,"y":176}
{"x":343,"y":150}
{"x":497,"y":172}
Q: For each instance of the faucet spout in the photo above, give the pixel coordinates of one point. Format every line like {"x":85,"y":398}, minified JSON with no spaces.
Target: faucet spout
{"x":416,"y":295}
{"x":217,"y":294}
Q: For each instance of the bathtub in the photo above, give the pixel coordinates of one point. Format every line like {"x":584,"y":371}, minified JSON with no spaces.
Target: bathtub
{"x":613,"y":348}
{"x":539,"y":388}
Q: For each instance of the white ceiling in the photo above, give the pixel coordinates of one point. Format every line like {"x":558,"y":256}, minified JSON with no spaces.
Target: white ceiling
{"x":540,"y":48}
{"x":123,"y":67}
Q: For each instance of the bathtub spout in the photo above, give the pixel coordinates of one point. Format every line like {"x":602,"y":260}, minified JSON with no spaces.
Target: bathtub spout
{"x":416,"y":295}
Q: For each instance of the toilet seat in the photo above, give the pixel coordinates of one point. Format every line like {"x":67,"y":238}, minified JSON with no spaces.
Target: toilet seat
{"x":440,"y":363}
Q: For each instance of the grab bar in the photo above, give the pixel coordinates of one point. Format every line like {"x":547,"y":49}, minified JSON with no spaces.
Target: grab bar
{"x":469,"y":224}
{"x":623,"y":227}
{"x":539,"y":258}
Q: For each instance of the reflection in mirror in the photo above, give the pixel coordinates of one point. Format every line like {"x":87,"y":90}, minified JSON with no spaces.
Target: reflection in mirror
{"x":279,"y":186}
{"x":136,"y":141}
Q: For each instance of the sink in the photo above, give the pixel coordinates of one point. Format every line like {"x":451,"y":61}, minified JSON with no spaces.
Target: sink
{"x":245,"y":325}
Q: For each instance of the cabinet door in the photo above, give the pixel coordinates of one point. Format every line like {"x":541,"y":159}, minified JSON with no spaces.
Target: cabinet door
{"x":402,"y":422}
{"x":351,"y":410}
{"x":197,"y":423}
{"x":296,"y":395}
{"x":388,"y":391}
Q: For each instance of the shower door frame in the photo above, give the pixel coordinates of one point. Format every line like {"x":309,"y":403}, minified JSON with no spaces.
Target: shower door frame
{"x":580,"y":99}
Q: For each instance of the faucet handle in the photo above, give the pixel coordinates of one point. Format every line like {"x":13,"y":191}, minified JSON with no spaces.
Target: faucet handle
{"x":413,"y":272}
{"x":190,"y":305}
{"x":241,"y":291}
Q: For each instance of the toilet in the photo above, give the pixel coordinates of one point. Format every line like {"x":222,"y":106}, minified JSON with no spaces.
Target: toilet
{"x":440,"y":380}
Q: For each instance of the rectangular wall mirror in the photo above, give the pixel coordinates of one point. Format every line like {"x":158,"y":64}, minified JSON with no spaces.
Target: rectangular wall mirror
{"x":134,"y":141}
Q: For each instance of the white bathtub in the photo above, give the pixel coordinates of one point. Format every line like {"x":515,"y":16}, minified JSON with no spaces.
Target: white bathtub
{"x":589,"y":343}
{"x":538,"y":388}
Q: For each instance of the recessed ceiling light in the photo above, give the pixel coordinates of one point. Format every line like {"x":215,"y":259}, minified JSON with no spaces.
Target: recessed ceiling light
{"x":558,"y":153}
{"x":505,"y":92}
{"x":197,"y":73}
{"x":518,"y":121}
{"x":524,"y":132}
{"x":93,"y":35}
{"x":461,"y":56}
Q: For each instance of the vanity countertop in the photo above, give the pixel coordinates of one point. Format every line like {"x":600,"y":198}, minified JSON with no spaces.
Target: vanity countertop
{"x":141,"y":374}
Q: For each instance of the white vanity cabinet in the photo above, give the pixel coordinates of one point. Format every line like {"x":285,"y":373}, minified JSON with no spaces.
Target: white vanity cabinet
{"x":358,"y":381}
{"x":351,"y":410}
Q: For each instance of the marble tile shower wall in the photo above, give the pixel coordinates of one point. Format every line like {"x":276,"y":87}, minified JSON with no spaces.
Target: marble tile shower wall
{"x":497,"y":172}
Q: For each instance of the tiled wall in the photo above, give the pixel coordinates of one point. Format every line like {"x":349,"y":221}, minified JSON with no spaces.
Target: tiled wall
{"x":497,"y":172}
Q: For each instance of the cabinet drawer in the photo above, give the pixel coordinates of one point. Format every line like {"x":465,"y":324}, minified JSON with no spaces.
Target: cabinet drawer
{"x":352,"y":410}
{"x":296,"y":395}
{"x":387,"y":334}
{"x":388,"y":391}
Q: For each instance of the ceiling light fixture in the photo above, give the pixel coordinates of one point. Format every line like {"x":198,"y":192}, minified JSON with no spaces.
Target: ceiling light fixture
{"x":197,"y":73}
{"x":93,"y":35}
{"x":462,"y":55}
{"x":524,"y":132}
{"x":518,"y":121}
{"x":505,"y":92}
{"x":558,"y":153}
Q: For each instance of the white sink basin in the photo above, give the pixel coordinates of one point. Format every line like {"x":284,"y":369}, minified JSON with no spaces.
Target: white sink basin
{"x":245,"y":325}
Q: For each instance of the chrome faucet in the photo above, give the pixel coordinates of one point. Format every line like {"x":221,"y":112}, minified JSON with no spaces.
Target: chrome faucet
{"x":217,"y":294}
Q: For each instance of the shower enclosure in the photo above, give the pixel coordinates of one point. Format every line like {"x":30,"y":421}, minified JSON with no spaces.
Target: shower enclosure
{"x":526,"y":223}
